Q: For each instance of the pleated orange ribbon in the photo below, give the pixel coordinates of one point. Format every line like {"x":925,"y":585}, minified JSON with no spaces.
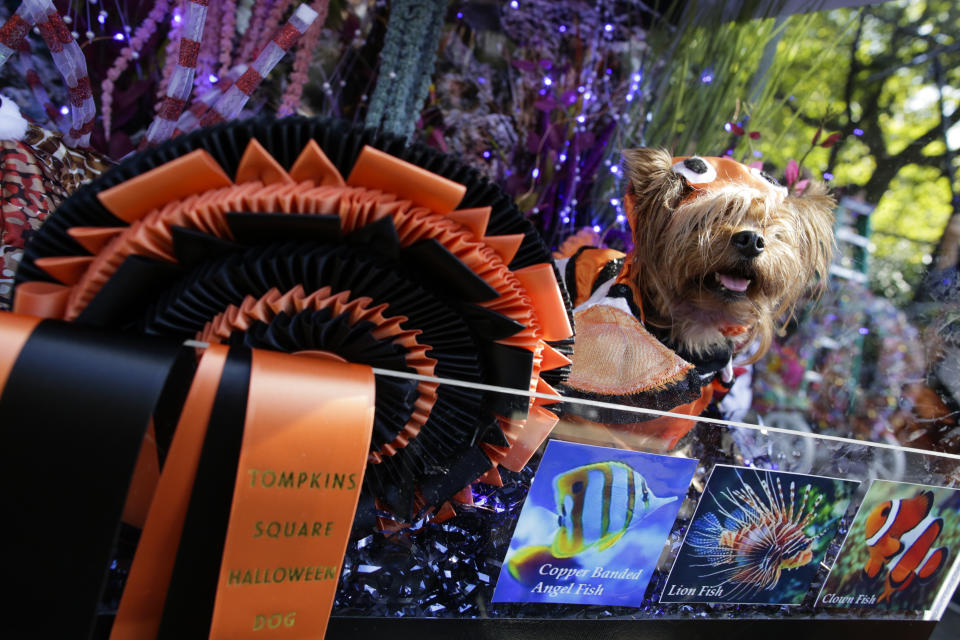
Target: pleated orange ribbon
{"x":304,"y":449}
{"x":480,"y":320}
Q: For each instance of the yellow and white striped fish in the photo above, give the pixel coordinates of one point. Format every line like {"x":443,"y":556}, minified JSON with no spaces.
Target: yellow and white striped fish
{"x":597,"y":503}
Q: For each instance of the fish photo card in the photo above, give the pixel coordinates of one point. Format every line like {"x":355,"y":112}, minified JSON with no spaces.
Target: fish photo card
{"x":898,"y":551}
{"x":593,"y":526}
{"x":757,"y":537}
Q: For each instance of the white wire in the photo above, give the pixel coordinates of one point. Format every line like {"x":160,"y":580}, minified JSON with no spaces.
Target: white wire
{"x":763,"y":429}
{"x":653,"y":412}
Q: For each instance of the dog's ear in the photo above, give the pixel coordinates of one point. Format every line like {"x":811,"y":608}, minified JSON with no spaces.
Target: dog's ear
{"x":814,"y":213}
{"x":653,"y":182}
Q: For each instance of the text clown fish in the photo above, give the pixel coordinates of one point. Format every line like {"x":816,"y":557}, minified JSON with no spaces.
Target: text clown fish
{"x":593,"y":525}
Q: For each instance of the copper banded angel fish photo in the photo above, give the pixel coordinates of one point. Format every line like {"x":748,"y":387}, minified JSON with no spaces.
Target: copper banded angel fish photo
{"x":757,"y":537}
{"x":593,"y":526}
{"x":597,"y":504}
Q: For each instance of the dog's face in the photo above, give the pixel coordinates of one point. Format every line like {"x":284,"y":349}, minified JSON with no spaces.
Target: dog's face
{"x":721,"y":249}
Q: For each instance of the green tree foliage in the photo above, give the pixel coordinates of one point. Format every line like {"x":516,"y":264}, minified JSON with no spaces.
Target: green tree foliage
{"x":710,"y":63}
{"x":880,"y":91}
{"x":703,"y":65}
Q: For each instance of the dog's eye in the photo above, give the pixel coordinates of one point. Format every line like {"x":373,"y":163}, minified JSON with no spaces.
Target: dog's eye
{"x":696,"y":170}
{"x":766,"y":176}
{"x":763,"y":175}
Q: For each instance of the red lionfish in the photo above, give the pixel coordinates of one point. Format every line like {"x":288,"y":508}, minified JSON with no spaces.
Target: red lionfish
{"x":761,"y":536}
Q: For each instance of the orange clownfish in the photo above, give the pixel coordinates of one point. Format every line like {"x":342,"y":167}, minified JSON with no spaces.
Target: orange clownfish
{"x":900,"y":538}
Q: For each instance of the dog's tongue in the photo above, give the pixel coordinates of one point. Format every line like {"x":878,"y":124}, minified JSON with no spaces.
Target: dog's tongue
{"x":733,"y":283}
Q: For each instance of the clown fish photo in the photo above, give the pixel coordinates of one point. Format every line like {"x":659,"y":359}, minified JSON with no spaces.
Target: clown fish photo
{"x":900,"y":537}
{"x":897,"y":554}
{"x":597,"y":504}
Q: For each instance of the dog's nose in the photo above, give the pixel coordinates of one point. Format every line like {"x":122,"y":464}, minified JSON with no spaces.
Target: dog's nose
{"x":749,"y":243}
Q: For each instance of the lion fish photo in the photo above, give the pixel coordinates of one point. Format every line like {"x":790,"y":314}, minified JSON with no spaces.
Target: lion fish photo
{"x":593,"y":526}
{"x":899,"y":550}
{"x":757,"y":537}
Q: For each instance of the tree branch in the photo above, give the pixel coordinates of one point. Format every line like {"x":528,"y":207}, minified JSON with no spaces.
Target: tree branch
{"x":833,"y":124}
{"x":852,"y":70}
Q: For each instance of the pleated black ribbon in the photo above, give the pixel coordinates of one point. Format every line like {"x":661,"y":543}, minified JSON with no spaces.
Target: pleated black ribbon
{"x":73,"y":414}
{"x":417,"y":463}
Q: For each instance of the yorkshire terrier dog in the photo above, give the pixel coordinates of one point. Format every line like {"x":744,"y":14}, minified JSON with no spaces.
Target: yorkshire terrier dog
{"x":721,"y":253}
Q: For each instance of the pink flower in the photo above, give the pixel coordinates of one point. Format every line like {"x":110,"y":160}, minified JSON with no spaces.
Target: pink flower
{"x":227,"y":30}
{"x":792,"y":172}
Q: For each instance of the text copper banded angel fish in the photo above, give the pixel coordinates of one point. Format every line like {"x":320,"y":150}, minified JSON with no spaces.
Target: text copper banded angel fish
{"x":597,"y":504}
{"x":900,"y":537}
{"x":760,"y":535}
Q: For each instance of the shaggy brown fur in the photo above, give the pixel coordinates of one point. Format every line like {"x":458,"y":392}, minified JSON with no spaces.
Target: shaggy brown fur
{"x":683,"y":244}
